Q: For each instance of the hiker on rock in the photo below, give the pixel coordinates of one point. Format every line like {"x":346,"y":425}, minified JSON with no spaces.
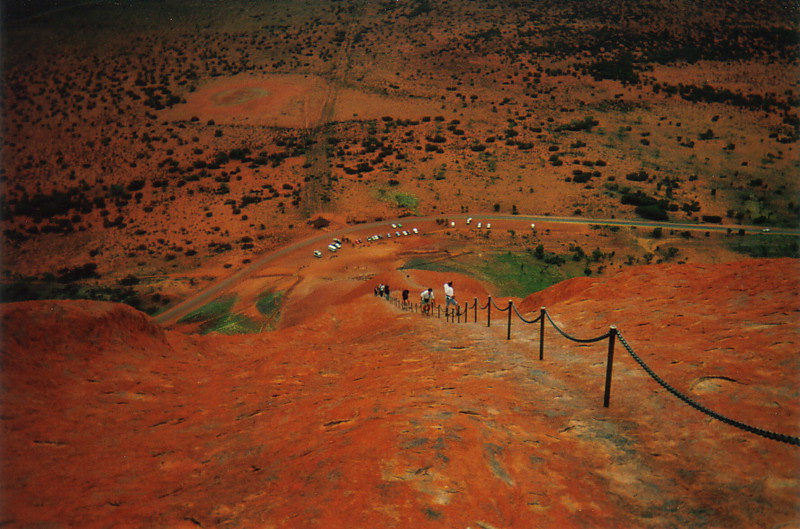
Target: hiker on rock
{"x":449,"y":296}
{"x":426,"y":298}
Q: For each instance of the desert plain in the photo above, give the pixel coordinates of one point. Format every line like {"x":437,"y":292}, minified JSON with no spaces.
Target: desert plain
{"x":174,"y":355}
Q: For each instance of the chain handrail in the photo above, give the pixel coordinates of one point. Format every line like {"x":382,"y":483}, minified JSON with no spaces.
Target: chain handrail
{"x":538,"y":318}
{"x":615,"y":333}
{"x":498,"y":308}
{"x":699,"y":407}
{"x":579,"y":340}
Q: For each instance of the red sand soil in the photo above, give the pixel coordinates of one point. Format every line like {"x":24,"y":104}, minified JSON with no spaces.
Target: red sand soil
{"x":363,"y":415}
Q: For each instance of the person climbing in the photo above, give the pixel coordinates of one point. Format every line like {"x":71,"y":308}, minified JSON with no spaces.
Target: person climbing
{"x":449,"y":297}
{"x":426,"y":299}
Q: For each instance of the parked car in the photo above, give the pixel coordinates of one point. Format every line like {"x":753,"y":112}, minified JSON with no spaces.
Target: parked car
{"x":415,"y":230}
{"x":317,"y":253}
{"x":469,"y":220}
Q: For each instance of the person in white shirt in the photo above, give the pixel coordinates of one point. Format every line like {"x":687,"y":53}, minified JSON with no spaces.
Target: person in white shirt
{"x":449,"y":296}
{"x":426,"y":298}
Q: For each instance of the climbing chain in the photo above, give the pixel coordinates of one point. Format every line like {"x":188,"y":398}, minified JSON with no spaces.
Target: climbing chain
{"x":696,"y":405}
{"x":538,"y":318}
{"x":711,"y":413}
{"x":568,"y":337}
{"x":498,"y":308}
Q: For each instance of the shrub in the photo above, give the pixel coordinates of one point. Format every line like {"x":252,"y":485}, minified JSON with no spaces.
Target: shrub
{"x":652,"y":212}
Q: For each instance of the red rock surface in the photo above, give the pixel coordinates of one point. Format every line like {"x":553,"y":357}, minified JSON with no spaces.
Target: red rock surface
{"x":368,"y":416}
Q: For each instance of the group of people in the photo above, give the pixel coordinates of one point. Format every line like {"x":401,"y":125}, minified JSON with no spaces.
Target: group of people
{"x":383,"y":291}
{"x":426,"y":297}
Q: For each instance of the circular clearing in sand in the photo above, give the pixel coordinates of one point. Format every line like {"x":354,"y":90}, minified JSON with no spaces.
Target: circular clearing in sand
{"x":237,"y":96}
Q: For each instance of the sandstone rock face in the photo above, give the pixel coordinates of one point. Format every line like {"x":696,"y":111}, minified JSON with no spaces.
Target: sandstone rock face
{"x":369,"y":416}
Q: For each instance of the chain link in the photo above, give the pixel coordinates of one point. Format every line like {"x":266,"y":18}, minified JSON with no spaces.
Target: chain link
{"x":699,"y":407}
{"x":789,"y":439}
{"x":567,"y":336}
{"x":538,"y":318}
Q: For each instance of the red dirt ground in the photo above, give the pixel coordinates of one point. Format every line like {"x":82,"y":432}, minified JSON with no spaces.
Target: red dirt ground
{"x":367,"y":416}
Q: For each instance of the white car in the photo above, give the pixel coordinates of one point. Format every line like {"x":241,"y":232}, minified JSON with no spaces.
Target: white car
{"x":533,"y":226}
{"x":469,"y":220}
{"x":317,"y":253}
{"x":415,"y":230}
{"x":394,"y":226}
{"x":332,"y":248}
{"x":488,"y":226}
{"x":452,"y":224}
{"x":480,"y":225}
{"x":405,"y":232}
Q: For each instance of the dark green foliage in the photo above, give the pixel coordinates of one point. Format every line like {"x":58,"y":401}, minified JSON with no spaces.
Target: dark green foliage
{"x":577,"y":125}
{"x":45,"y":206}
{"x":78,"y":273}
{"x":620,"y":68}
{"x":763,"y":245}
{"x":652,"y":212}
{"x":641,"y":176}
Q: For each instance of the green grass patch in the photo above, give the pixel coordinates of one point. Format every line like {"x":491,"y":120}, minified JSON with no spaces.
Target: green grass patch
{"x":231,"y":324}
{"x":763,"y":245}
{"x":400,"y":199}
{"x":522,"y":274}
{"x":516,"y":274}
{"x":216,"y":316}
{"x":269,"y":304}
{"x":216,"y":309}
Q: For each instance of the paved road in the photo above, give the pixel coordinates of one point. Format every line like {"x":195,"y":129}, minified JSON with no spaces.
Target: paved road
{"x":196,"y":301}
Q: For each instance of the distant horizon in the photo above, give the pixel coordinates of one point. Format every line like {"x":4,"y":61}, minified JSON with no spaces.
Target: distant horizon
{"x":20,"y":10}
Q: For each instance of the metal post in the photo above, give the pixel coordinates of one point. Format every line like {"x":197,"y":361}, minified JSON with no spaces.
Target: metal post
{"x":610,"y":364}
{"x":458,"y":313}
{"x":489,"y":312}
{"x":466,"y":312}
{"x":510,"y":305}
{"x":541,"y":335}
{"x":475,"y":310}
